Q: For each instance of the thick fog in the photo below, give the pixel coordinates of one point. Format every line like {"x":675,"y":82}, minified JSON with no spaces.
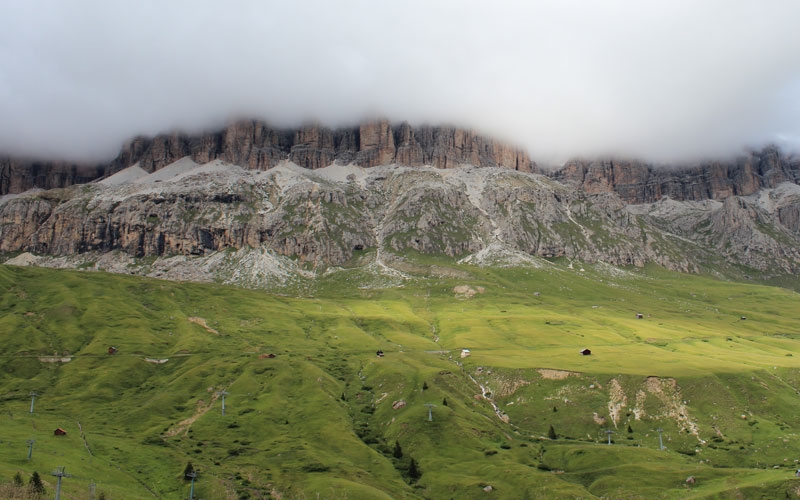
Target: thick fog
{"x":660,"y":80}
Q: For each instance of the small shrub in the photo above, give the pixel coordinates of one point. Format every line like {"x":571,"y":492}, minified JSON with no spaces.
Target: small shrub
{"x":413,"y":471}
{"x":188,"y":471}
{"x":154,"y":441}
{"x":551,"y":433}
{"x":315,"y":467}
{"x":35,"y":484}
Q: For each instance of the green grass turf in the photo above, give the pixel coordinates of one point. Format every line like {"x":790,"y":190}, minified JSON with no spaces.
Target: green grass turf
{"x":318,"y":419}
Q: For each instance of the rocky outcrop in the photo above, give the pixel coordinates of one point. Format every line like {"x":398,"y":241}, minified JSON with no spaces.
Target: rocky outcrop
{"x":256,"y":145}
{"x":18,"y":175}
{"x":330,"y":217}
{"x":637,"y":182}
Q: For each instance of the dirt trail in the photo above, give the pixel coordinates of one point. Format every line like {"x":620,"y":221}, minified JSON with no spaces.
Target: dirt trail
{"x":202,"y":322}
{"x":183,"y":425}
{"x":617,"y":401}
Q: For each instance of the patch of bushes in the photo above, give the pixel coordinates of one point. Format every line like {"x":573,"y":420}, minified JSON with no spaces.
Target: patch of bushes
{"x":315,"y":467}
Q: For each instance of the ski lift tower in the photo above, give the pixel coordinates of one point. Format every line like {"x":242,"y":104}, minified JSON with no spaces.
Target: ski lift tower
{"x":59,"y":473}
{"x":660,"y":440}
{"x":430,"y":411}
{"x":33,"y":395}
{"x":30,"y":448}
{"x":223,"y":394}
{"x":192,"y":475}
{"x":609,"y":432}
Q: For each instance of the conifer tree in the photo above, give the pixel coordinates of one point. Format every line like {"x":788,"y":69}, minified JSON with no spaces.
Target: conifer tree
{"x":35,"y":484}
{"x":398,"y":452}
{"x":413,"y":471}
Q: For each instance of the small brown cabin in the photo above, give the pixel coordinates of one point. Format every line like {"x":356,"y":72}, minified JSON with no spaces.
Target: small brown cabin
{"x":586,"y":352}
{"x":59,"y":432}
{"x":112,"y":350}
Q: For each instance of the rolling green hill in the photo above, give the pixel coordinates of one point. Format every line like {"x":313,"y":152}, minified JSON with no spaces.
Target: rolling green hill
{"x":715,"y":365}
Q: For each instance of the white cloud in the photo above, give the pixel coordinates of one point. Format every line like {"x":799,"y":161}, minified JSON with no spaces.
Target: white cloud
{"x":665,"y":80}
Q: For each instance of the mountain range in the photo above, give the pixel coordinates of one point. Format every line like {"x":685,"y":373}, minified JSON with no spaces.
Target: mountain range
{"x":313,"y":198}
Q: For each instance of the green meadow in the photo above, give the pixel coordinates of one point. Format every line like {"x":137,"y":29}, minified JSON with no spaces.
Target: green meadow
{"x":708,"y":368}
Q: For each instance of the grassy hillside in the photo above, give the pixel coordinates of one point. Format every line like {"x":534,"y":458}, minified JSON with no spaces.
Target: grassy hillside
{"x":713,"y":364}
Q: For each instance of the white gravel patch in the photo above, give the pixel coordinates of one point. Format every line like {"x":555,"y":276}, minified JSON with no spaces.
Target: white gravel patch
{"x":171,"y":172}
{"x":772,"y":199}
{"x":126,"y":176}
{"x":498,"y":255}
{"x":669,"y":209}
{"x":23,"y":259}
{"x":343,"y":174}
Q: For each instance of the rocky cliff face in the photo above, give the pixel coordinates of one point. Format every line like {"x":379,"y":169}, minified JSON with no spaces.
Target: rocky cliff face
{"x":326,"y":196}
{"x":18,"y":175}
{"x":637,"y":182}
{"x":255,"y":145}
{"x":331,"y":216}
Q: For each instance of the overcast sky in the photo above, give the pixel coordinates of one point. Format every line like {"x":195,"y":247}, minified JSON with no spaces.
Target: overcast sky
{"x":662,"y":80}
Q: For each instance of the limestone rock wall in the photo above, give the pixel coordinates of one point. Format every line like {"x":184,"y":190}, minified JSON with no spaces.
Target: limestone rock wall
{"x":256,"y":145}
{"x":638,"y":182}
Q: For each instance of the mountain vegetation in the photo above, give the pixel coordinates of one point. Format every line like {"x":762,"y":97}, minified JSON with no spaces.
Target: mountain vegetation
{"x":704,"y":365}
{"x":388,"y":311}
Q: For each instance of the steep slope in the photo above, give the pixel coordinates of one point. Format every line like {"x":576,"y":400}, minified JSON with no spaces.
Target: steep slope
{"x":637,"y":182}
{"x":256,"y":145}
{"x":337,"y":215}
{"x":325,"y":416}
{"x":330,"y":197}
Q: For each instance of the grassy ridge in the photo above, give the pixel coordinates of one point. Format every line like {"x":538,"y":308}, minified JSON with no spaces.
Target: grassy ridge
{"x":714,"y":364}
